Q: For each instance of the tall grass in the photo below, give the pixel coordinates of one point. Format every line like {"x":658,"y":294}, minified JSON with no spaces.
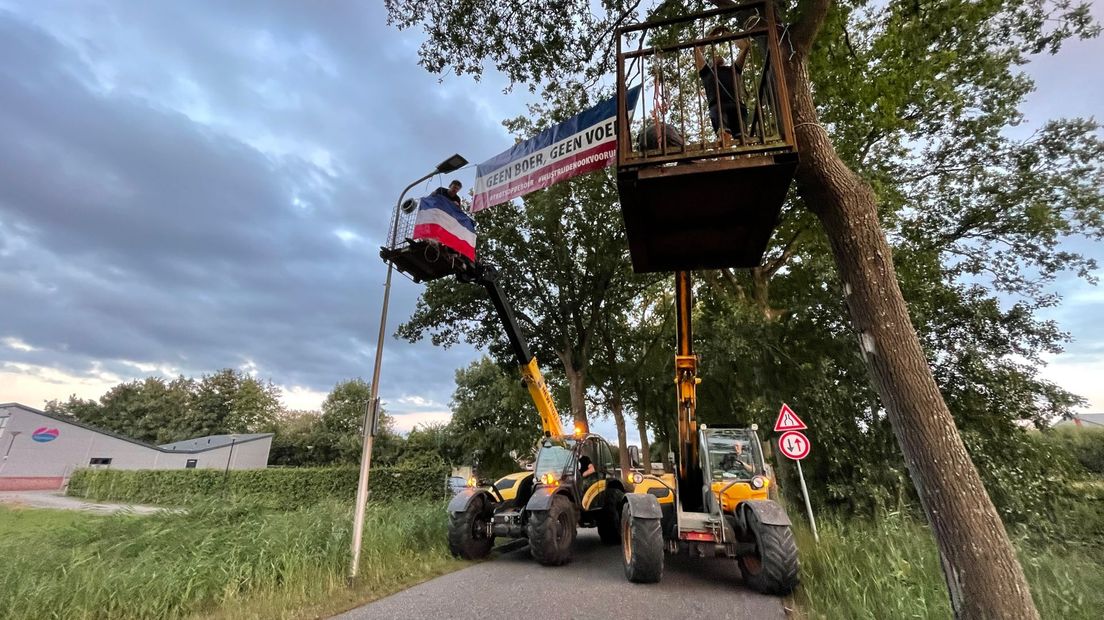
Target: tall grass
{"x":212,"y":558}
{"x":889,"y":568}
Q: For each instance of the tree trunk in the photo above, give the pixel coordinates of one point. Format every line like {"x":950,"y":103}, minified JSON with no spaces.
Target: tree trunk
{"x":645,"y":447}
{"x":618,"y":410}
{"x":983,"y":575}
{"x":576,"y":380}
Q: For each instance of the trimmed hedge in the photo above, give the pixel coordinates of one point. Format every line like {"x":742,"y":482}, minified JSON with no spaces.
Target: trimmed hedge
{"x":280,"y":488}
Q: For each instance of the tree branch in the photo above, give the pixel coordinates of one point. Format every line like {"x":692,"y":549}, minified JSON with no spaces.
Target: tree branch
{"x":787,"y":251}
{"x":807,"y":26}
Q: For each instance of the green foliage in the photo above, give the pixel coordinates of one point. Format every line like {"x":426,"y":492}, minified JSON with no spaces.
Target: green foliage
{"x":1027,"y":483}
{"x":492,"y":418}
{"x":294,"y":441}
{"x":237,"y":559}
{"x":1084,"y":445}
{"x":336,"y":436}
{"x":345,"y":406}
{"x":432,"y":443}
{"x":889,"y":568}
{"x":277,"y":488}
{"x":160,"y":411}
{"x":529,"y":46}
{"x":230,"y":399}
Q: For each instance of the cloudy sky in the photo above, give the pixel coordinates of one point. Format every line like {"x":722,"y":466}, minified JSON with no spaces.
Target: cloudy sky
{"x":188,"y":186}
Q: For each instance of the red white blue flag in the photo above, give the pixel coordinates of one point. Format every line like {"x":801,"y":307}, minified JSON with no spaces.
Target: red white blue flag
{"x":581,"y":144}
{"x":441,"y":220}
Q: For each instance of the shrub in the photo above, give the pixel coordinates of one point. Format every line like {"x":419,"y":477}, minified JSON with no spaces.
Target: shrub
{"x":279,"y":488}
{"x":1084,"y":445}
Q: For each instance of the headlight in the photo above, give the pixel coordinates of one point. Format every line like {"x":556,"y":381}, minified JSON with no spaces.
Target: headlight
{"x":758,"y":482}
{"x":550,"y":479}
{"x":471,"y":482}
{"x":636,"y":477}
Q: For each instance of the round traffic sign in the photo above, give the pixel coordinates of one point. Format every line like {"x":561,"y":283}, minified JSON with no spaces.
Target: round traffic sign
{"x":794,"y":444}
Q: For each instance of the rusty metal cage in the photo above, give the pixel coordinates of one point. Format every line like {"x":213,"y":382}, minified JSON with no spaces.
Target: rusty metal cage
{"x":422,"y":260}
{"x":707,"y":154}
{"x":401,"y":231}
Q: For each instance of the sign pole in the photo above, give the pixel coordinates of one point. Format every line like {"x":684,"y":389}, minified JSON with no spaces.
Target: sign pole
{"x":808,"y":506}
{"x":795,"y":446}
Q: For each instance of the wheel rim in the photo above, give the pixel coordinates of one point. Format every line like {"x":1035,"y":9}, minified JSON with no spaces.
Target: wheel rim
{"x":478,"y":523}
{"x":561,"y":529}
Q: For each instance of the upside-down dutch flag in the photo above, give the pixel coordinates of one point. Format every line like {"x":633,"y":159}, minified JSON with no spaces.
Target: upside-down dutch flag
{"x":440,"y":219}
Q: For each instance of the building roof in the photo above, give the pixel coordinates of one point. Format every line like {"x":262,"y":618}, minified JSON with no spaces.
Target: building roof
{"x":200,"y":444}
{"x":1089,"y":420}
{"x":211,"y":442}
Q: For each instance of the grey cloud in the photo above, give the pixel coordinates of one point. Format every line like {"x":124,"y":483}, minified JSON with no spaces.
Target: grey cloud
{"x":129,"y":231}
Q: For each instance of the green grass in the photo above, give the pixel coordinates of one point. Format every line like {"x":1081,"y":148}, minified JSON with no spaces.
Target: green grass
{"x":890,"y":569}
{"x":237,"y":561}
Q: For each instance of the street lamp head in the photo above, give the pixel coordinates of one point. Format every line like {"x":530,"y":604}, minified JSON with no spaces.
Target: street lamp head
{"x":455,"y":162}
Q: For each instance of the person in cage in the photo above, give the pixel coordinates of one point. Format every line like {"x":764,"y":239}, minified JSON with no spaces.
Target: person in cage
{"x":452,"y":192}
{"x":721,"y":82}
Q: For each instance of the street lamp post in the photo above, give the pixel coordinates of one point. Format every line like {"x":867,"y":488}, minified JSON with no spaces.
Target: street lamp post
{"x":449,"y":165}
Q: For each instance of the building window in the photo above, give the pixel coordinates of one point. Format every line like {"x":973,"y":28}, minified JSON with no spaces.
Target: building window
{"x":191,"y":464}
{"x":100,"y":462}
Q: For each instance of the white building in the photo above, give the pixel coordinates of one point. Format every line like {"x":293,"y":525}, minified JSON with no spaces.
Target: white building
{"x":39,"y":450}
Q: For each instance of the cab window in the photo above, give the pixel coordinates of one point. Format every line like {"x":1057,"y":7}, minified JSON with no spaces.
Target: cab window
{"x":553,"y":457}
{"x":733,"y":454}
{"x":608,"y":464}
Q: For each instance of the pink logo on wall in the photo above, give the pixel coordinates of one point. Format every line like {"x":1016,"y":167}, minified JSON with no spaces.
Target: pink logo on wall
{"x":43,"y":434}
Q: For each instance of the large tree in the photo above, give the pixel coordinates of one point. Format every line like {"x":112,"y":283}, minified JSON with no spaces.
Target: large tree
{"x":633,"y":357}
{"x":230,"y":401}
{"x":337,"y":435}
{"x":492,"y":424}
{"x":935,"y":71}
{"x":162,"y":411}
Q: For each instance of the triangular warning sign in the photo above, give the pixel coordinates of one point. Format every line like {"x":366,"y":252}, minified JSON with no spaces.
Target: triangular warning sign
{"x":788,"y":420}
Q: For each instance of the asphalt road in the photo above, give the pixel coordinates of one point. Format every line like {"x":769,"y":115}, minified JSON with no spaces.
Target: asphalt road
{"x":593,"y":585}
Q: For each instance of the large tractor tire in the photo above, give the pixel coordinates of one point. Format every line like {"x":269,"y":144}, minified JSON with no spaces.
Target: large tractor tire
{"x":772,"y":567}
{"x":641,"y":547}
{"x":552,"y":532}
{"x":467,"y":532}
{"x":609,"y":522}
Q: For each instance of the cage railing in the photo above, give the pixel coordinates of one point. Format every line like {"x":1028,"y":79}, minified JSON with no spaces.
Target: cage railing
{"x":713,"y":84}
{"x":401,"y":230}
